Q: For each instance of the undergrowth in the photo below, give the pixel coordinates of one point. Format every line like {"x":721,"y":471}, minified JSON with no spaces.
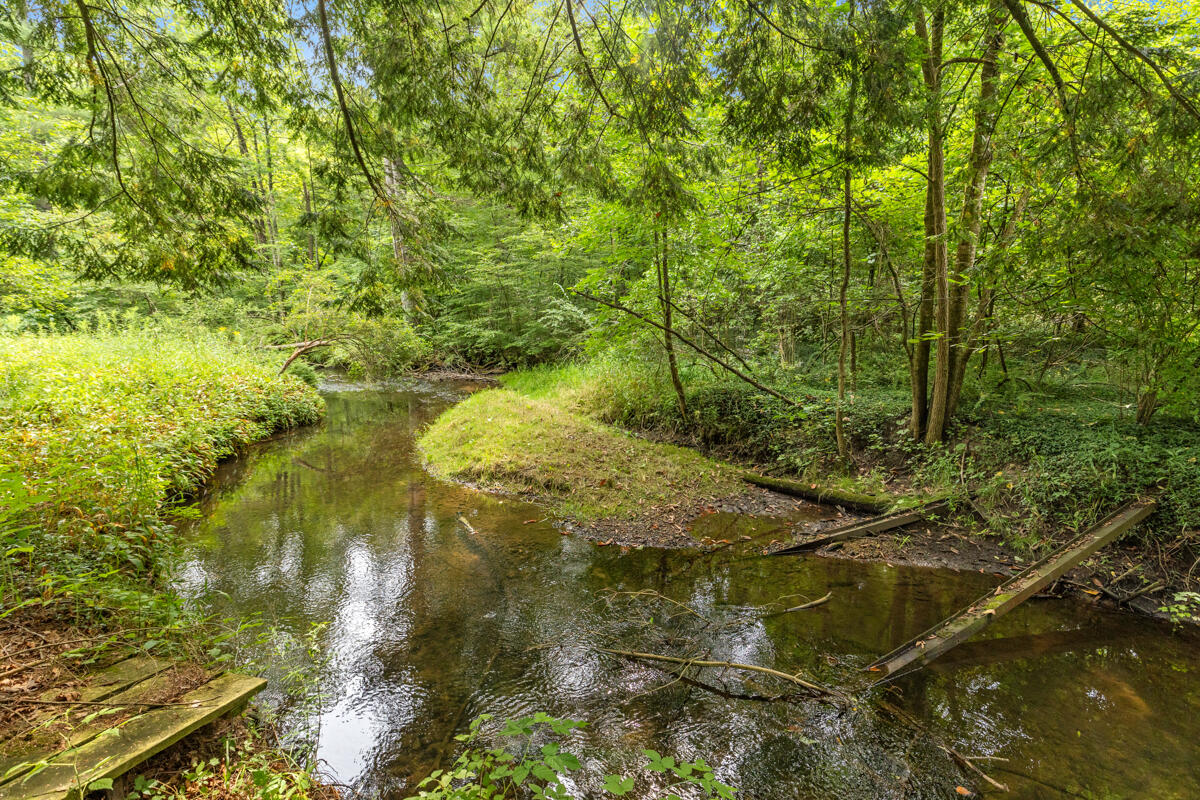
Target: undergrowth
{"x":1036,"y":464}
{"x":102,"y":436}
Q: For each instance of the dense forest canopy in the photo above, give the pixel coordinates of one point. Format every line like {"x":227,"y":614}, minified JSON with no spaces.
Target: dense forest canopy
{"x":936,"y":198}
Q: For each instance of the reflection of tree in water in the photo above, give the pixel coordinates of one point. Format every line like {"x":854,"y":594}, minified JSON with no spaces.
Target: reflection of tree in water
{"x":432,"y":625}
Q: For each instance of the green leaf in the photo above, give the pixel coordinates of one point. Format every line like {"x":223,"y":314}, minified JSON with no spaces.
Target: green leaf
{"x":615,"y":784}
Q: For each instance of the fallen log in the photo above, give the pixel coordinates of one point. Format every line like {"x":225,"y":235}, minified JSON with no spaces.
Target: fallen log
{"x":857,"y":530}
{"x":920,"y":650}
{"x":816,"y":689}
{"x":820,"y":494}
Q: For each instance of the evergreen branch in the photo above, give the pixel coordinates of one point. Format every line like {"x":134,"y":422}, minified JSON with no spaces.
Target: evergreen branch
{"x":335,"y":79}
{"x":1137,"y":52}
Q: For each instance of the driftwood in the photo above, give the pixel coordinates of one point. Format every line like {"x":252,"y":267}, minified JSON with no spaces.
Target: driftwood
{"x":694,"y":662}
{"x":820,"y":494}
{"x":983,"y":612}
{"x":820,"y":601}
{"x":857,"y":530}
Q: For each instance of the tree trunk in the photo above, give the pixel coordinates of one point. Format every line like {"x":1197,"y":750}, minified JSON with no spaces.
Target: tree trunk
{"x":1147,"y":404}
{"x":932,"y":308}
{"x":953,"y":287}
{"x":971,"y":219}
{"x":391,"y":175}
{"x":664,"y":296}
{"x":839,"y":426}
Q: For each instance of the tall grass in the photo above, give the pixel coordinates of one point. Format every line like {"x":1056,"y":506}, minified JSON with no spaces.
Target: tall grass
{"x":101,"y":433}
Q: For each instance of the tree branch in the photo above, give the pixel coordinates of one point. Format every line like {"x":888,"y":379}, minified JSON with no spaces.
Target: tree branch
{"x":689,"y":343}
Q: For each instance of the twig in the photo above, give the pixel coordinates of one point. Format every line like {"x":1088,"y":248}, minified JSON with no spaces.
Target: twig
{"x":660,"y":596}
{"x":672,"y":332}
{"x":1150,"y":587}
{"x":34,"y":665}
{"x":965,"y":762}
{"x":812,"y":687}
{"x":105,"y":704}
{"x":820,"y":601}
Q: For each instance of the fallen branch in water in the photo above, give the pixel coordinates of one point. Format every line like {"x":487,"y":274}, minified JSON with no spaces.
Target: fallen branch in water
{"x":467,"y":525}
{"x":820,"y":601}
{"x":957,"y":757}
{"x":965,"y":762}
{"x":692,"y":662}
{"x":660,"y":596}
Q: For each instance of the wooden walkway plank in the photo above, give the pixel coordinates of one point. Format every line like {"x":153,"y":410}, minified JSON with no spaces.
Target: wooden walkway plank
{"x":117,"y":677}
{"x":112,"y":753}
{"x":983,"y":612}
{"x":20,"y":758}
{"x":857,"y":530}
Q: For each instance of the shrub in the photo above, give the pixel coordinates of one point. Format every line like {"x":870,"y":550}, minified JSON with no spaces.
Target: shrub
{"x":107,"y":430}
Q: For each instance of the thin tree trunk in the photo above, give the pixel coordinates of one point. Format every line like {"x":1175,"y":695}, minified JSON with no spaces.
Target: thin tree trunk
{"x":839,"y":425}
{"x":971,"y":219}
{"x":310,"y":238}
{"x":391,"y":174}
{"x":664,"y":294}
{"x":272,"y":217}
{"x":843,"y":305}
{"x":260,"y":232}
{"x":929,"y":319}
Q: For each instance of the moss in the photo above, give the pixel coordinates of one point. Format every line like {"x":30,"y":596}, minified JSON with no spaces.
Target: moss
{"x":580,"y":466}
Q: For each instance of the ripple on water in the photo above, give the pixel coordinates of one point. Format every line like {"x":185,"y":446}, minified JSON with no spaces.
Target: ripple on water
{"x":430,"y":625}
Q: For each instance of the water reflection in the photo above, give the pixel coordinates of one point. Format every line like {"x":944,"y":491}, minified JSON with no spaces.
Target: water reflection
{"x":430,"y":625}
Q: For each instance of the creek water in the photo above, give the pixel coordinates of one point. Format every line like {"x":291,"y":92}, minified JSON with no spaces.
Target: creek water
{"x":430,"y":624}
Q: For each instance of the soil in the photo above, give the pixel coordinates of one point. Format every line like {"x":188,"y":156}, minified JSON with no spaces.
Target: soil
{"x":672,"y":526}
{"x":1117,"y":577}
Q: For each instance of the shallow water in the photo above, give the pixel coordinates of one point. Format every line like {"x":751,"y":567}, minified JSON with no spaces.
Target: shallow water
{"x":430,"y":625}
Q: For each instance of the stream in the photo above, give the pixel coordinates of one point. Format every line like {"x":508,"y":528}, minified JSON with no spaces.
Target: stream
{"x":430,"y":625}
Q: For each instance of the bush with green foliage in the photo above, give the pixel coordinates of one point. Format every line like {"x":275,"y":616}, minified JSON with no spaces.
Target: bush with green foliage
{"x":537,"y":766}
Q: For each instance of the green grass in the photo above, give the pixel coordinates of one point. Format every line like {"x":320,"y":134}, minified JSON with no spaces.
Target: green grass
{"x":1039,"y":464}
{"x":100,"y":434}
{"x":583,"y":467}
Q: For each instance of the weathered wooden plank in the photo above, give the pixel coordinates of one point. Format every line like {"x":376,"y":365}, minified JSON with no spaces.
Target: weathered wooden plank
{"x":857,"y":530}
{"x":117,"y":677}
{"x":1010,"y":594}
{"x":112,"y":680}
{"x":820,"y":494}
{"x":21,"y":757}
{"x":67,"y":775}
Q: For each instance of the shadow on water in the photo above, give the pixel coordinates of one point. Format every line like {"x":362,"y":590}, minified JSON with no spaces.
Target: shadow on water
{"x":430,"y":625}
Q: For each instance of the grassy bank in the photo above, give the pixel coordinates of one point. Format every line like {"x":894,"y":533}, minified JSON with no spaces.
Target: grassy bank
{"x":581,"y":467}
{"x":101,"y":436}
{"x":1033,"y":461}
